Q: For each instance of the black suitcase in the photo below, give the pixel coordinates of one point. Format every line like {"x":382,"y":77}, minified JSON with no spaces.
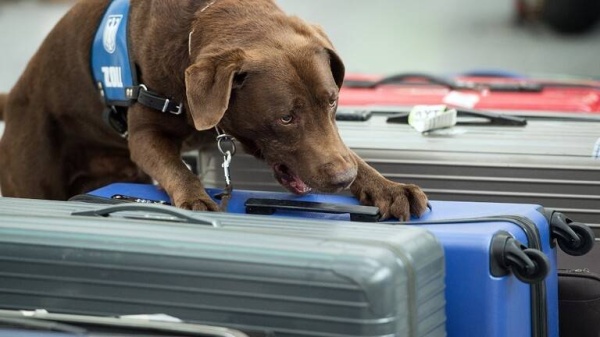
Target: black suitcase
{"x":579,"y":303}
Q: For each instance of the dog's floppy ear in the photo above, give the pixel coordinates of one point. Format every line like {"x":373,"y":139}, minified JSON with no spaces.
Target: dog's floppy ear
{"x":208,"y":85}
{"x":337,"y":67}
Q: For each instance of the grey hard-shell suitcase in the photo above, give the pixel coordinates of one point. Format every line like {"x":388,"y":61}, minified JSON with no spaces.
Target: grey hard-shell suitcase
{"x":553,"y":160}
{"x":253,"y":273}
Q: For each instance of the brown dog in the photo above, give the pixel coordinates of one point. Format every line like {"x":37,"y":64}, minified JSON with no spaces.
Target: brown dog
{"x":267,"y":79}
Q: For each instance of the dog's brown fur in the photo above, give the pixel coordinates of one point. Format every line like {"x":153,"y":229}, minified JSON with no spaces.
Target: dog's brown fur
{"x":251,"y":67}
{"x":3,"y":98}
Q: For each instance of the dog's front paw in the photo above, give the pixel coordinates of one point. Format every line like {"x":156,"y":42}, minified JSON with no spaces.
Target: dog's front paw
{"x":196,"y":203}
{"x":395,"y":200}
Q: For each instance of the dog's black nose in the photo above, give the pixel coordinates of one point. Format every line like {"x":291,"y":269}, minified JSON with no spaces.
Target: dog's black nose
{"x":342,"y":180}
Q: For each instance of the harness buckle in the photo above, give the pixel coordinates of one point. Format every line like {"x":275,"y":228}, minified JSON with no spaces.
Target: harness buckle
{"x":153,"y":101}
{"x":174,"y":112}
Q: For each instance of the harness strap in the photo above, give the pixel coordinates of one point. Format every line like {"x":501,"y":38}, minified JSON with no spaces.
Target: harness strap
{"x":116,"y":116}
{"x":154,"y":100}
{"x":115,"y":74}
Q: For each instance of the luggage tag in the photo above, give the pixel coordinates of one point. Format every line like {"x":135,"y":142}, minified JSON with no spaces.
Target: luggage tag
{"x":425,"y":118}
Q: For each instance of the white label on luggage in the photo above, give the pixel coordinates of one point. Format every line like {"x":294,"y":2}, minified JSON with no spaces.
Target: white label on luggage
{"x":461,"y":99}
{"x":431,"y":117}
{"x":153,"y":318}
{"x":596,"y":152}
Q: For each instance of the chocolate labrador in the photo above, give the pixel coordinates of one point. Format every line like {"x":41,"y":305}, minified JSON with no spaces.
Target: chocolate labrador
{"x":267,"y":79}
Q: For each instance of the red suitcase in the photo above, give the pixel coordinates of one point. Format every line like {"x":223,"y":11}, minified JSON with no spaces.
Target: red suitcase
{"x":482,"y":90}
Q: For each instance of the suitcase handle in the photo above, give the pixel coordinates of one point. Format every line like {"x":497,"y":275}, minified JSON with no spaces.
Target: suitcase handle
{"x":269,"y":206}
{"x":157,"y":209}
{"x":492,"y":118}
{"x":402,"y":79}
{"x":423,"y":78}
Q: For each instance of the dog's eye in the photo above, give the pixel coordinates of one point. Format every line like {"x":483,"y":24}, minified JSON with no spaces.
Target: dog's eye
{"x":287,"y":119}
{"x":239,"y":79}
{"x":332,"y":103}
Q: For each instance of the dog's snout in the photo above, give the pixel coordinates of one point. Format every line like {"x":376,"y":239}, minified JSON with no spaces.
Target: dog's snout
{"x":339,"y":174}
{"x":344,"y":179}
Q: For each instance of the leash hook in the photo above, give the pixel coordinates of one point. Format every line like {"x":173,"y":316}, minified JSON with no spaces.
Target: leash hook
{"x":226,"y":145}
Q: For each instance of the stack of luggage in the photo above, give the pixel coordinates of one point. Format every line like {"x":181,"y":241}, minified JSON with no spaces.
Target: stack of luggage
{"x":463,"y":269}
{"x":508,"y":195}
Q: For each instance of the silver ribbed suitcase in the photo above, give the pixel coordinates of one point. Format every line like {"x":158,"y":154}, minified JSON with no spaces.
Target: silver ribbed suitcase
{"x":265,"y":275}
{"x":554,"y":161}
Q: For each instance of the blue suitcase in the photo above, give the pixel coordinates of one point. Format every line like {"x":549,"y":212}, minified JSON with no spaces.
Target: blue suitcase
{"x":501,"y":268}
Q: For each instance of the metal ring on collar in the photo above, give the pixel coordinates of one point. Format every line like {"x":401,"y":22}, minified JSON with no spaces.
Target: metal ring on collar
{"x":228,"y":140}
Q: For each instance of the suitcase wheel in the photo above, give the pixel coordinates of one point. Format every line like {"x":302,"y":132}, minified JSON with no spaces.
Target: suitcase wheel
{"x":583,"y":245}
{"x":509,"y":255}
{"x":574,"y":238}
{"x":538,"y":272}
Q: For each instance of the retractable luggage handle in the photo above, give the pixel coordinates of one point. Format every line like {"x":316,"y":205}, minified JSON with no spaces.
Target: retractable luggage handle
{"x":157,"y":209}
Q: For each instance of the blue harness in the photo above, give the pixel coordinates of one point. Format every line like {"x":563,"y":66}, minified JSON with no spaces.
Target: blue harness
{"x":115,"y":75}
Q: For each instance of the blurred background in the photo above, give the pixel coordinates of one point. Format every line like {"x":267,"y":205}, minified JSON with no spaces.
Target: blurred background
{"x":380,"y":36}
{"x":442,"y":37}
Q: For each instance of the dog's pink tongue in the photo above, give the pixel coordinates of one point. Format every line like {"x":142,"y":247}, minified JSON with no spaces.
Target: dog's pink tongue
{"x":290,"y":180}
{"x":298,"y":186}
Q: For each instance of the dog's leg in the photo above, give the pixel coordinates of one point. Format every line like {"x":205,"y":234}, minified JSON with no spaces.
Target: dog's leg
{"x":393,"y":199}
{"x":156,"y":148}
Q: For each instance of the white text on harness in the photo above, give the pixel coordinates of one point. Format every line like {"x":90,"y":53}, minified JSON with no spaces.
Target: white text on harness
{"x":112,"y":77}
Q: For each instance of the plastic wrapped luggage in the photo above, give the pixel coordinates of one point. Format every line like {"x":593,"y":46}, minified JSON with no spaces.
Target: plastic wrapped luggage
{"x":478,"y":90}
{"x":510,"y":288}
{"x":552,"y":161}
{"x":220,"y":269}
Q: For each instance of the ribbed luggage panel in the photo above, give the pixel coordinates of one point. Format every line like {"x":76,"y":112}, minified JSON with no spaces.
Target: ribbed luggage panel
{"x":239,"y":275}
{"x":547,"y":162}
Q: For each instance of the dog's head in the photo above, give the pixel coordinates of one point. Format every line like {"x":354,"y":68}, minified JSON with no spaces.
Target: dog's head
{"x":279,"y":100}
